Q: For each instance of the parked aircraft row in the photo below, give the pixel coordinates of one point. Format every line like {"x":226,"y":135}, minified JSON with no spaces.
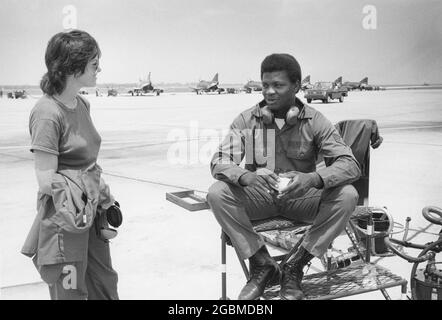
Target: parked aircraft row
{"x":203,"y":86}
{"x":212,"y":86}
{"x":251,"y":85}
{"x":348,"y":85}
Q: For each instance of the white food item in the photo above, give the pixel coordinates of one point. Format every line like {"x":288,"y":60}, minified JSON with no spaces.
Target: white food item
{"x":283,"y":182}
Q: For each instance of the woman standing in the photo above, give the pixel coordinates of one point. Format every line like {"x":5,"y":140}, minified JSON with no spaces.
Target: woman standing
{"x":65,"y":143}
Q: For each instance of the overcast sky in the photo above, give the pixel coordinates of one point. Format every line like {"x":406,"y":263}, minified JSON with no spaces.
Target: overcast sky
{"x":189,"y":40}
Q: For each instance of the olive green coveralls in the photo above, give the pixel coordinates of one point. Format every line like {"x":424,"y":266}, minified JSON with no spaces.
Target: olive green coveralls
{"x":296,"y":148}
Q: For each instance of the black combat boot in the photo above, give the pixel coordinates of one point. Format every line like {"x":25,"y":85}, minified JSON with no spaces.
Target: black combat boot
{"x":263,"y":271}
{"x":292,"y":275}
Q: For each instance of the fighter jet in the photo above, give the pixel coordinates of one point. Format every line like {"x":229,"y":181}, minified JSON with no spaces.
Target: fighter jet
{"x":208,"y":86}
{"x":338,"y":86}
{"x":253,"y":86}
{"x":356,"y":85}
{"x":305,"y":84}
{"x":145,"y":87}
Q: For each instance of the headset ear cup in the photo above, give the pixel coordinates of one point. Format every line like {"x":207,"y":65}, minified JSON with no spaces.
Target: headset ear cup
{"x":267,"y":115}
{"x":114,"y":216}
{"x":292,"y":116}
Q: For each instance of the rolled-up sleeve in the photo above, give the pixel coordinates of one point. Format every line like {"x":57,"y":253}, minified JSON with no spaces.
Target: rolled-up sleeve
{"x":342,"y":167}
{"x":45,"y":135}
{"x":225,"y":164}
{"x":44,"y":127}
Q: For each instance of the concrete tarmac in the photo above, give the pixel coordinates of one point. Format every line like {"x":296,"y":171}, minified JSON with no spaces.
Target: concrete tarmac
{"x":152,"y":145}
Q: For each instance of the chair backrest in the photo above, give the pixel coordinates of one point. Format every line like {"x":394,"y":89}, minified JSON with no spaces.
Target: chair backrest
{"x":359,"y":135}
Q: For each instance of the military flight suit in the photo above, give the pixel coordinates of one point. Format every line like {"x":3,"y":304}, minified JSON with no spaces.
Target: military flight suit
{"x":296,"y":148}
{"x":74,"y":265}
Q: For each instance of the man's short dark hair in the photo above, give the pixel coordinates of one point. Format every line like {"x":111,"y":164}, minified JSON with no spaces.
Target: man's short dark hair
{"x":282,"y":62}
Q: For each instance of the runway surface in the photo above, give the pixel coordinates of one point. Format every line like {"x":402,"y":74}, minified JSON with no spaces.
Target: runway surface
{"x":152,"y":145}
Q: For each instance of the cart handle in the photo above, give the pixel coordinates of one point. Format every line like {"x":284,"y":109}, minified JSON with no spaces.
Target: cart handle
{"x":429,"y":210}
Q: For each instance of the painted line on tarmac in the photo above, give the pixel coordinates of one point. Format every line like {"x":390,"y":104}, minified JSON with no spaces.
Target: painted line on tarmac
{"x":22,"y":285}
{"x":151,"y":182}
{"x":158,"y":143}
{"x":124,"y":142}
{"x":14,"y":147}
{"x":17,"y":157}
{"x":414,"y":143}
{"x":409,"y":128}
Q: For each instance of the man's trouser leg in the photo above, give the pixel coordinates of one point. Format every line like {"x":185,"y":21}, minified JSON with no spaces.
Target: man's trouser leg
{"x":234,"y":207}
{"x":101,"y":278}
{"x":327,"y":210}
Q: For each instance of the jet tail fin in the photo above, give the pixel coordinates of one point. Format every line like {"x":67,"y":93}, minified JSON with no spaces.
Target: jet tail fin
{"x":215,"y":78}
{"x":365,"y":80}
{"x":306,"y":79}
{"x":338,"y":81}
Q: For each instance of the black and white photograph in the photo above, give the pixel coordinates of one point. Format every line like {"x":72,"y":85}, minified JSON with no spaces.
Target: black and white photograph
{"x":223,"y":151}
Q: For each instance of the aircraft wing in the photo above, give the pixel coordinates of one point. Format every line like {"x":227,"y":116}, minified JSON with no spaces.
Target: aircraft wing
{"x":197,"y":90}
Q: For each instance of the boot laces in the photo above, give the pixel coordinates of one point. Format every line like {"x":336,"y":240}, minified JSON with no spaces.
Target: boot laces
{"x":293,"y":273}
{"x":258,"y":271}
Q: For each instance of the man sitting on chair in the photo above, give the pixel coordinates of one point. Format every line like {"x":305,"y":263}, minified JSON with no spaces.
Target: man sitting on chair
{"x":291,"y":134}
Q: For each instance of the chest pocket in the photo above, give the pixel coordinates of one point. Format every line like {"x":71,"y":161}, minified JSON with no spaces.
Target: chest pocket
{"x":300,"y":150}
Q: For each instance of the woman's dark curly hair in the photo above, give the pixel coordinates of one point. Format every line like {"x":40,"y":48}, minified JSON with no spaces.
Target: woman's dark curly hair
{"x":67,"y":53}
